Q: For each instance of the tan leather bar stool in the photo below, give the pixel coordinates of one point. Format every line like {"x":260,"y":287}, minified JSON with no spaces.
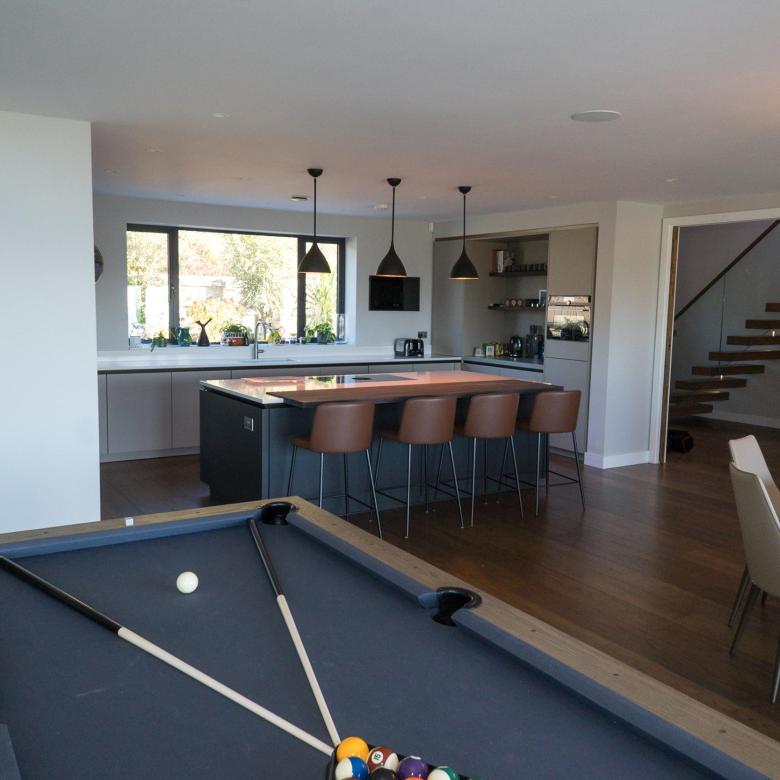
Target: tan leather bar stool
{"x":554,"y":411}
{"x":340,"y":429}
{"x":491,"y":416}
{"x":424,"y":421}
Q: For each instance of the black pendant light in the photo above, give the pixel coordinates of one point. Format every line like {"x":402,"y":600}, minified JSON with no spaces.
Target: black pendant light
{"x":314,"y":261}
{"x":392,"y":265}
{"x":464,"y":268}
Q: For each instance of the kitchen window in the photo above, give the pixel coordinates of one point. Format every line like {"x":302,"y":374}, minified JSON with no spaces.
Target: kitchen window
{"x":177,"y":276}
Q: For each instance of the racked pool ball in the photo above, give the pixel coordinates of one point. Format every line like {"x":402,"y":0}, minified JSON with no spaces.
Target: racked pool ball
{"x":413,"y":766}
{"x":383,"y":757}
{"x":352,"y":746}
{"x":443,"y":773}
{"x":382,"y":773}
{"x":351,"y":767}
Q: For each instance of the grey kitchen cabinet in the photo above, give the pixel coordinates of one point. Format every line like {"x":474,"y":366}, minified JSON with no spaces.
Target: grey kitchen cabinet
{"x":294,"y":370}
{"x":102,"y":414}
{"x":572,"y":261}
{"x":572,"y":375}
{"x":139,"y":412}
{"x":388,"y":368}
{"x":185,"y":390}
{"x":508,"y":371}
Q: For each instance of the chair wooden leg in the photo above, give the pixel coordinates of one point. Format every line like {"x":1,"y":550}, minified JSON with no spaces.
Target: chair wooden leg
{"x":292,"y":469}
{"x":517,"y":477}
{"x":577,"y":463}
{"x":408,"y":491}
{"x":346,"y":487}
{"x":455,"y":480}
{"x":740,"y":597}
{"x":322,"y":473}
{"x":373,"y":493}
{"x":751,"y":600}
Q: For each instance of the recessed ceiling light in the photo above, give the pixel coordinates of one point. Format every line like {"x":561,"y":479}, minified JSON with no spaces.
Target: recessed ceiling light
{"x":671,"y":179}
{"x":111,"y":170}
{"x":219,"y":115}
{"x":381,"y":206}
{"x":553,"y":197}
{"x":299,"y":198}
{"x":243,"y":178}
{"x":596,"y":115}
{"x":153,"y":150}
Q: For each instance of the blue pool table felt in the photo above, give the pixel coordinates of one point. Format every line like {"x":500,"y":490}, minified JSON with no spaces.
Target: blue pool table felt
{"x":82,"y":703}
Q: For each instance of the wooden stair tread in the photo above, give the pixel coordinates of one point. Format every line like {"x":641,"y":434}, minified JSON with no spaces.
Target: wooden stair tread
{"x":762,"y":324}
{"x":727,"y":370}
{"x":772,"y":307}
{"x":708,"y":384}
{"x":685,"y":410}
{"x":700,"y":395}
{"x":753,"y":340}
{"x":754,"y":354}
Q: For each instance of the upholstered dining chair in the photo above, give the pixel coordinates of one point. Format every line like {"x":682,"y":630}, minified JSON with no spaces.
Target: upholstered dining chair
{"x":760,"y":527}
{"x":747,"y":456}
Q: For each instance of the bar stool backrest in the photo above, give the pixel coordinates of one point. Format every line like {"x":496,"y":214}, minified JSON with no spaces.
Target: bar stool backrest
{"x":747,"y":455}
{"x":343,"y":427}
{"x":428,"y":420}
{"x":491,"y":416}
{"x":760,"y":528}
{"x":555,"y":411}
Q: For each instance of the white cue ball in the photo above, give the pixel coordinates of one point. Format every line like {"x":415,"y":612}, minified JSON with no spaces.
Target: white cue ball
{"x":187,"y":582}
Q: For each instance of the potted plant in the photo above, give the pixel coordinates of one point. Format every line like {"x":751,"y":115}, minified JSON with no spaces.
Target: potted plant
{"x":234,"y":334}
{"x":159,"y":340}
{"x":325,"y":334}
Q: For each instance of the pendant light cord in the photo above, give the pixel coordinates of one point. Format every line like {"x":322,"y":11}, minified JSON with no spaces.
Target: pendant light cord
{"x":315,"y":210}
{"x":392,"y":222}
{"x":464,"y":221}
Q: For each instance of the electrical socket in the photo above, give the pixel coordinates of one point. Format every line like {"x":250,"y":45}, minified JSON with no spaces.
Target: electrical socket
{"x":422,"y":334}
{"x":249,"y":424}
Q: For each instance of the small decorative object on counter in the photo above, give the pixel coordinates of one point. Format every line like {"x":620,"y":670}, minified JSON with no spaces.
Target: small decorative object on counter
{"x":203,"y":339}
{"x":183,"y":338}
{"x":479,"y":352}
{"x":490,"y":350}
{"x":159,"y":340}
{"x":235,"y":335}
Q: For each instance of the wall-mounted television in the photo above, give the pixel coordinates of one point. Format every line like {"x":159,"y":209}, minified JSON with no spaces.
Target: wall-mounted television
{"x":394,"y":293}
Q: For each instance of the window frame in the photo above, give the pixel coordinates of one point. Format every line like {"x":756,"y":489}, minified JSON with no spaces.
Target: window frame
{"x":172,"y":231}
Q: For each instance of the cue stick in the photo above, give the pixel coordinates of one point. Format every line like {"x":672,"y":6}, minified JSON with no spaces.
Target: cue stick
{"x":292,"y":628}
{"x":163,"y":655}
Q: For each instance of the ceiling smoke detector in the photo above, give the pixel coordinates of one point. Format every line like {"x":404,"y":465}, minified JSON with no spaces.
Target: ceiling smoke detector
{"x":299,"y":198}
{"x":596,"y":115}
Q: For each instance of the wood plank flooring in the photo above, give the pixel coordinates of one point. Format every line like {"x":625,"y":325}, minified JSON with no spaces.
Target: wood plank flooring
{"x":647,"y":573}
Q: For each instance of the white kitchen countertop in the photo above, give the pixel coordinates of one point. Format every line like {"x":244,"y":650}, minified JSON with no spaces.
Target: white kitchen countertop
{"x":173,"y":358}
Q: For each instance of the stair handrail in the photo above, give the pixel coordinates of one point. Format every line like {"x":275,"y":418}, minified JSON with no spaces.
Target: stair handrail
{"x":752,"y":245}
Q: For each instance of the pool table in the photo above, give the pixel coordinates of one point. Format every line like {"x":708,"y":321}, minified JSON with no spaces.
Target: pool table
{"x":498,"y":695}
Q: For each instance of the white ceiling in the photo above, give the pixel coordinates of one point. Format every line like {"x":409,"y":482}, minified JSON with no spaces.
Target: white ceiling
{"x":439,"y":92}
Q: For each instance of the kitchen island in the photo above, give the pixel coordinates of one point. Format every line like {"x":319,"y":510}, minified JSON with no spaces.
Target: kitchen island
{"x":246,"y":425}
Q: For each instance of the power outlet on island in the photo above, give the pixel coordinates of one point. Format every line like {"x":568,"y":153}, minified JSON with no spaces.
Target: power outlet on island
{"x":249,"y":424}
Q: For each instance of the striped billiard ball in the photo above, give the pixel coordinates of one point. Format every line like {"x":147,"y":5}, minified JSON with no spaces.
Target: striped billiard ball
{"x":383,"y":757}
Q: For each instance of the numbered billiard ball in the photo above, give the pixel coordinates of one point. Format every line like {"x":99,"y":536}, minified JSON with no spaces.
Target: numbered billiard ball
{"x":352,"y":746}
{"x":382,"y":773}
{"x":443,"y":773}
{"x":383,"y":757}
{"x":351,"y":767}
{"x":413,"y":766}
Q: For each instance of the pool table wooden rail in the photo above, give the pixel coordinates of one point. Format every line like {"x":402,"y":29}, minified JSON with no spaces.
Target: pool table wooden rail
{"x":727,"y":735}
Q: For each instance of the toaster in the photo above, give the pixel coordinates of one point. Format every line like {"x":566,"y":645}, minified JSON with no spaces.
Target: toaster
{"x":409,"y":348}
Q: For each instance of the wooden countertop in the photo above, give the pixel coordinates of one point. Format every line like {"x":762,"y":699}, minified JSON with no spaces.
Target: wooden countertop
{"x":396,"y":386}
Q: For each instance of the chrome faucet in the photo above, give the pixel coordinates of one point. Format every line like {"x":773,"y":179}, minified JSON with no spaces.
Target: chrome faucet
{"x":255,"y":351}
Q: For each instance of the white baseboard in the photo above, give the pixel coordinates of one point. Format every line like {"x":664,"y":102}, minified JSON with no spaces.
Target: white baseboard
{"x":746,"y":419}
{"x":616,"y":461}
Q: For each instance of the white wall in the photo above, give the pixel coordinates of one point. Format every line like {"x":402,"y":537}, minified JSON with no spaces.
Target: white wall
{"x":49,"y":419}
{"x":626,"y":291}
{"x":705,"y":250}
{"x":369,"y":239}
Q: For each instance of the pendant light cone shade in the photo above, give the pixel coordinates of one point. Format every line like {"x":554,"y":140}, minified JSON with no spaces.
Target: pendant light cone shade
{"x":391,"y":265}
{"x":464,"y":268}
{"x":314,"y":261}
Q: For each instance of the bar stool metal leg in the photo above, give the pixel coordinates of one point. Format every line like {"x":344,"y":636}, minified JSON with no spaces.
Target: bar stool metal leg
{"x":546,"y":464}
{"x":577,"y":463}
{"x":373,"y":493}
{"x":538,"y":468}
{"x":346,"y":487}
{"x":517,"y":476}
{"x":473,"y":478}
{"x":484,"y":472}
{"x":322,"y":471}
{"x":438,"y":471}
{"x":425,"y":477}
{"x":455,"y":480}
{"x":751,"y":600}
{"x":292,"y":469}
{"x":776,"y":677}
{"x":408,"y":491}
{"x":740,"y":597}
{"x":378,"y":461}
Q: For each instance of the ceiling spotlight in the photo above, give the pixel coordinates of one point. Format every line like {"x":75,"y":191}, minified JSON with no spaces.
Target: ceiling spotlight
{"x":153,"y":150}
{"x":381,"y":206}
{"x":110,"y":170}
{"x":671,"y":179}
{"x":596,"y":115}
{"x":299,"y":198}
{"x":553,"y":197}
{"x":219,"y":115}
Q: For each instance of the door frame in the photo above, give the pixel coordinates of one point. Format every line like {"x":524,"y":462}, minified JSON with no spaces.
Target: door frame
{"x":664,"y":321}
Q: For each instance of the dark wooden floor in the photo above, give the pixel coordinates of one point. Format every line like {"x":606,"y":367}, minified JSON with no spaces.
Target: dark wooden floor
{"x":646,"y":574}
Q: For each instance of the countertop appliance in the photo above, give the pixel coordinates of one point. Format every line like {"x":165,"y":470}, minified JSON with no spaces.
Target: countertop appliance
{"x":409,"y":348}
{"x":516,"y":346}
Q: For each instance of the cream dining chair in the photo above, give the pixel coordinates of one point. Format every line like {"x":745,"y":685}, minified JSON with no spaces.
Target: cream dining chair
{"x":760,"y":528}
{"x":747,"y":456}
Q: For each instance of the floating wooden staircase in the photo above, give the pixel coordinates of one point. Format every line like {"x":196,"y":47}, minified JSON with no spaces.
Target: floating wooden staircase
{"x":702,"y":393}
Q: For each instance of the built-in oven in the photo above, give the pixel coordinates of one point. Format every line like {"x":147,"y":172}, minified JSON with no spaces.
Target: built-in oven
{"x":568,"y":318}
